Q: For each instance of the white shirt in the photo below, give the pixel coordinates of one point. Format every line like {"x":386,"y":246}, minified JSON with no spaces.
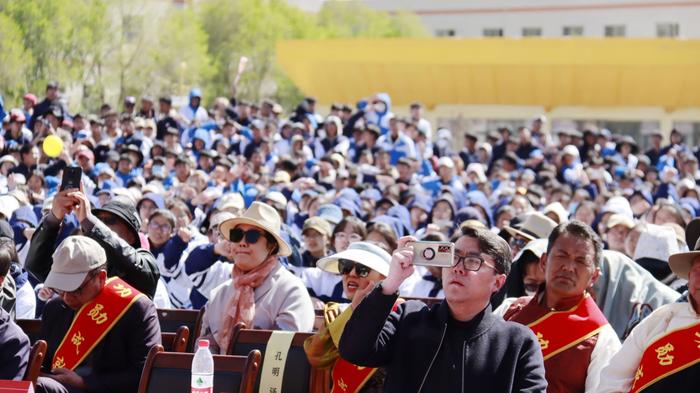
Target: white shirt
{"x":619,"y":374}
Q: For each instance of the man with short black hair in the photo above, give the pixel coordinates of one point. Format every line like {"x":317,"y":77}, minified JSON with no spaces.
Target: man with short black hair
{"x":576,"y":339}
{"x":455,"y":343}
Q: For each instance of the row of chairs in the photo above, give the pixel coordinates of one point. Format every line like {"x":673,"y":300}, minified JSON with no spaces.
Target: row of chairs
{"x":168,"y":365}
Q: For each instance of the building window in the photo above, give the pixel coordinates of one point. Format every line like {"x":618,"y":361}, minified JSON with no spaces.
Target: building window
{"x":493,"y":32}
{"x":667,"y":30}
{"x":445,"y":33}
{"x":532,"y":31}
{"x":615,"y":31}
{"x":573,"y":31}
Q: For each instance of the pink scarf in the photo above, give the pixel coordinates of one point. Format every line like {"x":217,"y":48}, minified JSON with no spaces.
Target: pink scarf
{"x":241,"y":308}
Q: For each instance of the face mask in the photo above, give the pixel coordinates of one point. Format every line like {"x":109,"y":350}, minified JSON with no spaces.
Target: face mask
{"x":443,"y":223}
{"x":380,"y":107}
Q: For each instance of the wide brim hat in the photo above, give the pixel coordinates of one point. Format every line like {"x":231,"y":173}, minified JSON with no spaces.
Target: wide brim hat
{"x":262,"y":216}
{"x":681,"y":263}
{"x":364,"y":253}
{"x":535,"y":226}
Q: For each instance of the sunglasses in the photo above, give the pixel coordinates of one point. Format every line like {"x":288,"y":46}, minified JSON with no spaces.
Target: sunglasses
{"x":345,"y":267}
{"x":518,"y":241}
{"x":251,"y":236}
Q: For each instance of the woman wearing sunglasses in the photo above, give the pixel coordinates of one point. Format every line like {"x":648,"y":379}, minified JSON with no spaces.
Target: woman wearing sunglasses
{"x":361,"y":265}
{"x":261,"y":293}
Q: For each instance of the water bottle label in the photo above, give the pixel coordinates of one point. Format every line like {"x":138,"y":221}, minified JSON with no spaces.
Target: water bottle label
{"x":202,"y":383}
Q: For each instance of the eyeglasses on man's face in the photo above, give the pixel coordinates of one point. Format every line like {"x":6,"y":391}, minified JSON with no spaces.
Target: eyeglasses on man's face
{"x":472,"y":262}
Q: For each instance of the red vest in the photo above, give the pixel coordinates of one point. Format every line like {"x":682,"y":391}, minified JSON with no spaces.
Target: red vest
{"x":567,"y":339}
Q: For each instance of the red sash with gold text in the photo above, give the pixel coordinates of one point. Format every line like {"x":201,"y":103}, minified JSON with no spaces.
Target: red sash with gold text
{"x":93,"y":321}
{"x":558,"y":331}
{"x":349,"y":378}
{"x":672,"y":353}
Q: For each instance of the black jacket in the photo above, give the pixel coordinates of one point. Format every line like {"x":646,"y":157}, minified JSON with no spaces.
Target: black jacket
{"x":115,"y":364}
{"x":14,"y":349}
{"x":136,"y":266}
{"x":426,"y":350}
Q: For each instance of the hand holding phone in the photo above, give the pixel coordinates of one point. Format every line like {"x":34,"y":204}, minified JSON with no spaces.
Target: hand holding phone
{"x":438,"y":254}
{"x":71,"y":178}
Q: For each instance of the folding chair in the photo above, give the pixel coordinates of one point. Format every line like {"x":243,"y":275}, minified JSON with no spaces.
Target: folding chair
{"x":299,"y":376}
{"x":36,"y":358}
{"x":171,"y":372}
{"x":171,"y":319}
{"x":176,"y":342}
{"x":30,"y":327}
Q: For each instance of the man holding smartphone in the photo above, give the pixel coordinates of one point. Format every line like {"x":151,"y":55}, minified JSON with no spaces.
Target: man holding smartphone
{"x":114,"y":226}
{"x":455,"y":344}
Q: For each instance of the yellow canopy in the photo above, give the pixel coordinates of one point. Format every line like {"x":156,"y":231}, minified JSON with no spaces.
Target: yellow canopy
{"x":610,"y":72}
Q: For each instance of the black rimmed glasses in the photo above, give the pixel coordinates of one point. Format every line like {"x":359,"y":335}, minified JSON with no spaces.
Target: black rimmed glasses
{"x":472,"y":262}
{"x":345,"y":266}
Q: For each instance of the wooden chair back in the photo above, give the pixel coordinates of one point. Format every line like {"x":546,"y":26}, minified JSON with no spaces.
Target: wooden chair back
{"x":36,"y":358}
{"x":171,"y":319}
{"x":176,"y":342}
{"x":30,"y":327}
{"x":299,"y":376}
{"x":171,"y":372}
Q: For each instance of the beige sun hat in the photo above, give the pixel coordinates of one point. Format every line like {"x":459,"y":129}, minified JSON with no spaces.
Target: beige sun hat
{"x":682,"y":262}
{"x":535,"y":226}
{"x":619,"y":219}
{"x":364,"y":253}
{"x":262,"y":216}
{"x":557,"y":209}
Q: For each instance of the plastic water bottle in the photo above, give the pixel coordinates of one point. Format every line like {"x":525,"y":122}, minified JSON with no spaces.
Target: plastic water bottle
{"x":202,"y":369}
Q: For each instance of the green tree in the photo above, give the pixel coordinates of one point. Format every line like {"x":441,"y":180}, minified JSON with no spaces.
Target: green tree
{"x":349,"y":19}
{"x":62,"y":37}
{"x":16,"y":61}
{"x":179,"y":59}
{"x":251,"y":28}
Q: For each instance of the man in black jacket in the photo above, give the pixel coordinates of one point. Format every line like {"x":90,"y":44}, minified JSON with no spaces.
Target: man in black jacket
{"x":114,"y":226}
{"x":98,"y":330}
{"x":456,"y":346}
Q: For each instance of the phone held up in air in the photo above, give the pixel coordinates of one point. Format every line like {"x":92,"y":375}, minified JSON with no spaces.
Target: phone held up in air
{"x":71,"y":178}
{"x":439,"y":254}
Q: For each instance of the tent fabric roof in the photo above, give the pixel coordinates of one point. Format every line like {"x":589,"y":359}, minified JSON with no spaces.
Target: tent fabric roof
{"x":595,"y":72}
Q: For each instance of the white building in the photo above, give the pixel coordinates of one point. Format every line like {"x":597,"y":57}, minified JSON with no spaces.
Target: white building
{"x":553,"y":18}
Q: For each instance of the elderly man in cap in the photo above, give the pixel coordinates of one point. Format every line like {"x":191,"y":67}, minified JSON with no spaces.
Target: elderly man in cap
{"x":576,"y":339}
{"x":455,"y":343}
{"x":99,"y":330}
{"x":115,"y":226}
{"x":662,"y":354}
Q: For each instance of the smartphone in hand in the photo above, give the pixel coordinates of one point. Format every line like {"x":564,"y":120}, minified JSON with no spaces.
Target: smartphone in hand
{"x":439,"y":254}
{"x":71,"y":178}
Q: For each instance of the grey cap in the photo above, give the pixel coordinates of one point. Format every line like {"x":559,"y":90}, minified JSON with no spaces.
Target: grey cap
{"x":74,"y":258}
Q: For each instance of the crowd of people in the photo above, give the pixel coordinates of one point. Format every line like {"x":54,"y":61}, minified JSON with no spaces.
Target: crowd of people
{"x":576,"y":255}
